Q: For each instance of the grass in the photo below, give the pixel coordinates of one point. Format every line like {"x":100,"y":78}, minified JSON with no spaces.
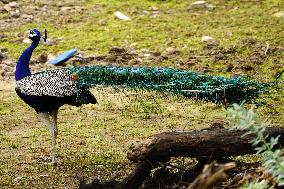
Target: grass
{"x":93,"y":140}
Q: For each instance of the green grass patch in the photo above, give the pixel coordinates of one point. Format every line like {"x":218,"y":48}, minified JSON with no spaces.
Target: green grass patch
{"x":93,"y":139}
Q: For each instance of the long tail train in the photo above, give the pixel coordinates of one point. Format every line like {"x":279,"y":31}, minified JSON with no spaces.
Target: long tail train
{"x":191,"y":84}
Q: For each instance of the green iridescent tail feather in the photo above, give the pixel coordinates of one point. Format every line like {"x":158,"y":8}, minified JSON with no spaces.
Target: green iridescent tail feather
{"x":191,"y":84}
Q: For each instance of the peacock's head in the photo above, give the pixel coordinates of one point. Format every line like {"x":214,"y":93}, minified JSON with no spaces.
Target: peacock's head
{"x":34,"y":35}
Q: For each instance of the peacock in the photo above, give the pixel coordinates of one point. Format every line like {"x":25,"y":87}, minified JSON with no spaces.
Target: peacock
{"x":48,"y":90}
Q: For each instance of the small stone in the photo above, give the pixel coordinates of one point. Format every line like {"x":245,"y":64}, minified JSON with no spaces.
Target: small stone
{"x":17,"y":178}
{"x":147,"y":55}
{"x":66,"y":9}
{"x":44,"y":8}
{"x":44,"y":175}
{"x":144,"y":50}
{"x":154,"y":9}
{"x":146,"y":12}
{"x":13,"y":4}
{"x":279,"y":14}
{"x":207,"y":39}
{"x":121,"y":16}
{"x":3,"y":56}
{"x":27,"y":17}
{"x":7,"y":7}
{"x":15,"y":14}
{"x":199,"y":4}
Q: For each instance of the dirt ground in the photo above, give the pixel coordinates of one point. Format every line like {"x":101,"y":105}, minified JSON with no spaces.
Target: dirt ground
{"x":93,"y":140}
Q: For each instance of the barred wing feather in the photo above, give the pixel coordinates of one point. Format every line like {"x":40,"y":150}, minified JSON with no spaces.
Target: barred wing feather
{"x":50,"y":83}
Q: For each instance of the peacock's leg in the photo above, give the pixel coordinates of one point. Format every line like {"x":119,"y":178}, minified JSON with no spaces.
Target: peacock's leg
{"x":51,"y":126}
{"x":53,"y":115}
{"x":54,"y":132}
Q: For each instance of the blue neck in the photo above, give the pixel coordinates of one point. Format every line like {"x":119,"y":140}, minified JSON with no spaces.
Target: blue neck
{"x":22,"y":68}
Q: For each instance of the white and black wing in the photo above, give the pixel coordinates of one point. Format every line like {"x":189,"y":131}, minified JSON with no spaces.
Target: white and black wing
{"x":50,"y":83}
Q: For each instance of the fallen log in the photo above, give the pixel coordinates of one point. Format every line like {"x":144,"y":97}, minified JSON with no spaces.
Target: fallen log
{"x":207,"y":145}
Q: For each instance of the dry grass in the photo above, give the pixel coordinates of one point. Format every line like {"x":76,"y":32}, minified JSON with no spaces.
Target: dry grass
{"x":93,"y":140}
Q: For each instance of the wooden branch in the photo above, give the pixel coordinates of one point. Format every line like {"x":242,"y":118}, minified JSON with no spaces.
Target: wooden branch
{"x":138,"y":175}
{"x":133,"y":181}
{"x":206,"y":144}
